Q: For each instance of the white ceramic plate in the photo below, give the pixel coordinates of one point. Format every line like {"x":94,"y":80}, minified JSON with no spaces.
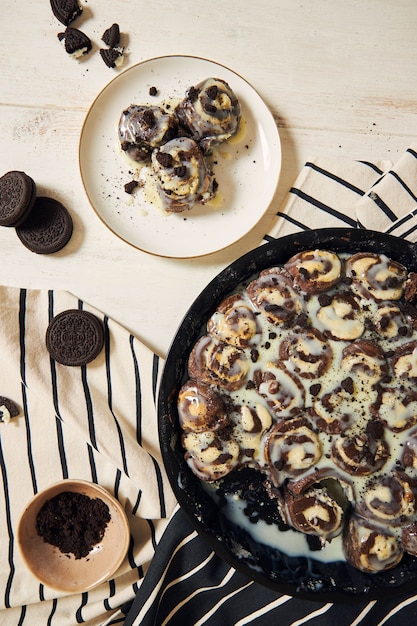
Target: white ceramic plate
{"x":247,"y":170}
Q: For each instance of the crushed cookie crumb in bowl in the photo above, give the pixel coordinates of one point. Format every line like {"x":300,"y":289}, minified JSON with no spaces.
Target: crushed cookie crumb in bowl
{"x":73,"y":535}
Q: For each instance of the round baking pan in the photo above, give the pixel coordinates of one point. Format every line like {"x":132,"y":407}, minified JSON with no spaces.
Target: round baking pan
{"x":303,"y":576}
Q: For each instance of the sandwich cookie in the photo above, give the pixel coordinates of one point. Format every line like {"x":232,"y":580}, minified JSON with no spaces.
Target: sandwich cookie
{"x":17,"y":197}
{"x":74,"y":337}
{"x":48,"y":228}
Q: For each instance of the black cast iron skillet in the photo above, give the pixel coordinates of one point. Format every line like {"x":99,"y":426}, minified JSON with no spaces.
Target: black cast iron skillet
{"x":300,"y":577}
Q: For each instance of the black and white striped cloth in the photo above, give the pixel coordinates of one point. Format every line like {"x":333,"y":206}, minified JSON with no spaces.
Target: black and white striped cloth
{"x":95,"y":422}
{"x":99,"y":423}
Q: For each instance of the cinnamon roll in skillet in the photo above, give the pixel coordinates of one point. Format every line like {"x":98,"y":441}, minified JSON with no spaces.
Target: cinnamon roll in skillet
{"x":409,"y":456}
{"x":210,"y":113}
{"x":396,"y":407}
{"x":332,"y":412}
{"x":282,"y":390}
{"x":366,"y":360}
{"x":291,"y":447}
{"x":234,"y":322}
{"x":200,"y":407}
{"x":363,"y":453}
{"x":389,"y":500}
{"x":339,"y":316}
{"x":251,"y":425}
{"x":218,"y":363}
{"x":315,"y":271}
{"x":376,"y":276}
{"x":404,"y":361}
{"x":390,"y":321}
{"x":211,"y":455}
{"x":307,"y":352}
{"x":182,"y":175}
{"x":369,"y":547}
{"x":314,"y":512}
{"x":143,"y":128}
{"x":409,"y":538}
{"x":327,"y":393}
{"x":273,"y":294}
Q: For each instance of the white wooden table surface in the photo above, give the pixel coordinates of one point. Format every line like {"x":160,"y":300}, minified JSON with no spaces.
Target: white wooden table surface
{"x":339,"y":77}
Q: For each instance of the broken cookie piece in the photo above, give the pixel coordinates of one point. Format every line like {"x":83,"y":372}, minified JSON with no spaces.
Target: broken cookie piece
{"x":112,"y":57}
{"x":66,"y":11}
{"x":111,"y":36}
{"x":8,"y":409}
{"x":76,"y":42}
{"x":131,"y":186}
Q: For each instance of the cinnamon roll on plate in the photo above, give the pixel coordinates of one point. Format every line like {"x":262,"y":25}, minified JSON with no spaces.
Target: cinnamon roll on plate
{"x":210,"y":112}
{"x":143,"y":128}
{"x":183,"y":178}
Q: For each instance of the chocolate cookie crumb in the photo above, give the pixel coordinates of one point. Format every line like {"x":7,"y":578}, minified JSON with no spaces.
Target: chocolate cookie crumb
{"x":410,"y":291}
{"x":153,"y":91}
{"x":165,"y":159}
{"x":73,"y":522}
{"x":130,"y":187}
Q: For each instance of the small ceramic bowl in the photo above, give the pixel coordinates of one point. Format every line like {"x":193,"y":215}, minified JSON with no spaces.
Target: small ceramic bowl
{"x":64,"y":572}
